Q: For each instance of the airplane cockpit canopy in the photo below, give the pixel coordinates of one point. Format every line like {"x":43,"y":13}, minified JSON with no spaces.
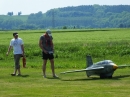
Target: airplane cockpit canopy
{"x":104,"y":62}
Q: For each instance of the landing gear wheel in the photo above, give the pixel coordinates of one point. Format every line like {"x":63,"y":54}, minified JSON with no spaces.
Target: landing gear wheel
{"x":110,"y":76}
{"x":102,"y":76}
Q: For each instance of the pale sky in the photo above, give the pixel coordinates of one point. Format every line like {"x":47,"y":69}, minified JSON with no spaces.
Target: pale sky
{"x":34,"y":6}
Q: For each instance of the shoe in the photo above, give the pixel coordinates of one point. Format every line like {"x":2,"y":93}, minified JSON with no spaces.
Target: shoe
{"x":44,"y":76}
{"x":13,"y":74}
{"x":18,"y":74}
{"x":55,"y":76}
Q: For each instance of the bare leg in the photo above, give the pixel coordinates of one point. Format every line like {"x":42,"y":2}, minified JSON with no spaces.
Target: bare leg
{"x":15,"y":70}
{"x":44,"y":67}
{"x":52,"y":67}
{"x":19,"y":72}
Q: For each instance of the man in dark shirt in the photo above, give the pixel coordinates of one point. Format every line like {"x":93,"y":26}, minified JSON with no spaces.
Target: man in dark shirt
{"x":46,"y":45}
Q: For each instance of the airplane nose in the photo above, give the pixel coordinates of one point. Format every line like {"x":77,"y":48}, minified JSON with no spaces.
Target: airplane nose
{"x":115,"y":66}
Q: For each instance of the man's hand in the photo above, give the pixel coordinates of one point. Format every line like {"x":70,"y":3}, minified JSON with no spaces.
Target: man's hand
{"x":7,"y":53}
{"x":45,"y":51}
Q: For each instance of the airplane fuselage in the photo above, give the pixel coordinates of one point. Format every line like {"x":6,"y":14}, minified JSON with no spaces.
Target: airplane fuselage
{"x":106,"y":71}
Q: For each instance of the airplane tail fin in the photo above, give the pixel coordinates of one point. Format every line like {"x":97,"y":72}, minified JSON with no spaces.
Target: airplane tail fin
{"x":89,"y":61}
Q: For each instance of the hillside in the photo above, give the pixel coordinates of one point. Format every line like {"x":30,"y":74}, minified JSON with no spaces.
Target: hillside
{"x":89,"y":10}
{"x":85,"y":16}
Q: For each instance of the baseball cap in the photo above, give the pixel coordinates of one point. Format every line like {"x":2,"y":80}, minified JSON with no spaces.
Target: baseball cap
{"x":15,"y":33}
{"x":48,"y":31}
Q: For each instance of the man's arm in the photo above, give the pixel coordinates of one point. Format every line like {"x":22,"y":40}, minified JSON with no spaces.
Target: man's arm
{"x":22,"y":49}
{"x":41,"y":46}
{"x":10,"y":47}
{"x":52,"y":46}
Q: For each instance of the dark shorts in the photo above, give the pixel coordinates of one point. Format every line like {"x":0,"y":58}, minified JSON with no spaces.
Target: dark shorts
{"x":47,"y":56}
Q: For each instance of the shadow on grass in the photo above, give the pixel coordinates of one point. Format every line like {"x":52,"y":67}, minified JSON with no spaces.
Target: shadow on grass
{"x":24,"y":76}
{"x":97,"y":78}
{"x":119,"y":77}
{"x":52,"y":78}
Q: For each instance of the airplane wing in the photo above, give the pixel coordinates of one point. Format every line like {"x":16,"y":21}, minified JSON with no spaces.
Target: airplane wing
{"x":82,"y":70}
{"x":123,"y":66}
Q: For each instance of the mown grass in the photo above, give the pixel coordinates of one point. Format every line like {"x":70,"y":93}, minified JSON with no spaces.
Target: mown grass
{"x":71,"y":48}
{"x":31,"y":84}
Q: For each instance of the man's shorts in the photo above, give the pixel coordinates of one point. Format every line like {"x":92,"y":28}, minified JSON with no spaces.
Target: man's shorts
{"x":17,"y":60}
{"x":47,"y":56}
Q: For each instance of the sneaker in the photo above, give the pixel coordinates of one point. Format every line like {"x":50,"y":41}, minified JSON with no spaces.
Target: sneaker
{"x":55,"y":76}
{"x":13,"y":74}
{"x":18,"y":74}
{"x":44,"y":76}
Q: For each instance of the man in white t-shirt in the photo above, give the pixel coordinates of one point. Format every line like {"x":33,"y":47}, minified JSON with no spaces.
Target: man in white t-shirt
{"x":18,"y":51}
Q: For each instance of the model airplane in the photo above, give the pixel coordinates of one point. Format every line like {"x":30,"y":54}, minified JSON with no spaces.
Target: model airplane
{"x":104,"y":69}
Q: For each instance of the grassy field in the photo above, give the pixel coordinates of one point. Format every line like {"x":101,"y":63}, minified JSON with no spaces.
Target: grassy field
{"x":31,"y":84}
{"x":71,"y":48}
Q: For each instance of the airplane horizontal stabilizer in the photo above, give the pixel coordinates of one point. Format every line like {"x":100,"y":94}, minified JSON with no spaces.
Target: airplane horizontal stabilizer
{"x":82,"y":70}
{"x":73,"y":71}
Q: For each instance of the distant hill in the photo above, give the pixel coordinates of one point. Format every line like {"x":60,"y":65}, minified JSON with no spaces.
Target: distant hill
{"x":85,"y":16}
{"x":89,"y":10}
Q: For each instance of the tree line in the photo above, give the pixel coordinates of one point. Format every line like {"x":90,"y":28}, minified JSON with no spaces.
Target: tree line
{"x":84,"y":16}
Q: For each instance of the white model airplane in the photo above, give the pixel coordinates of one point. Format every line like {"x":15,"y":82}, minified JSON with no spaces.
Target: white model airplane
{"x":104,"y":69}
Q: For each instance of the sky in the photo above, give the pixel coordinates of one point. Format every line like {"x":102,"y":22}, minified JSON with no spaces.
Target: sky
{"x":34,"y":6}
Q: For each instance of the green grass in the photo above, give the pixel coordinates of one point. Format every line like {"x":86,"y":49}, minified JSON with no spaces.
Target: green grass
{"x":31,"y":84}
{"x":74,"y":45}
{"x":71,"y":48}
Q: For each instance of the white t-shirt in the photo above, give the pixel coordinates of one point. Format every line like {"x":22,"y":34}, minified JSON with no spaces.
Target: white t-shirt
{"x":16,"y":43}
